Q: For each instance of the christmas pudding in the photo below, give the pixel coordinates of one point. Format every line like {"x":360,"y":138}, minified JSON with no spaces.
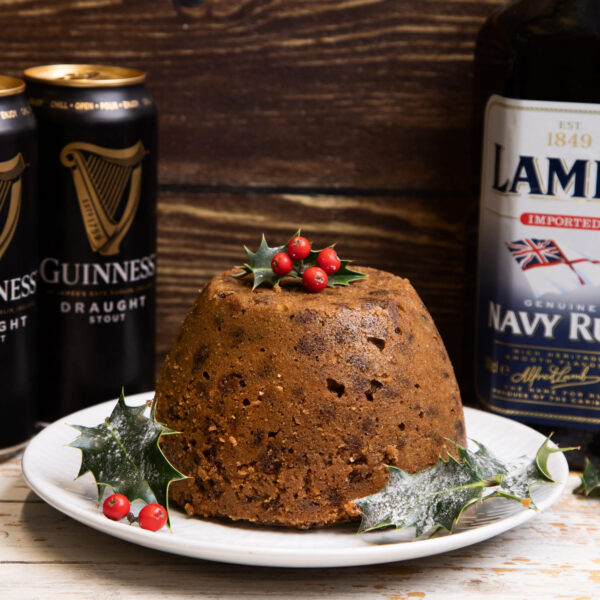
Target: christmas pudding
{"x":291,"y":403}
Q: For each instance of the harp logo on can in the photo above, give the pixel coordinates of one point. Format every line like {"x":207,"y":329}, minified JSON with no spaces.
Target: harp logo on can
{"x":108,"y":187}
{"x":10,"y":199}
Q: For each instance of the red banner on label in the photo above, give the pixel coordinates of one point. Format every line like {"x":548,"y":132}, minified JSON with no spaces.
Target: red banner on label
{"x":562,"y":221}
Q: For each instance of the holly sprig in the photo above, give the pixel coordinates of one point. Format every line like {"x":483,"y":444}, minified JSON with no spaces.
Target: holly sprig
{"x":123,"y":454}
{"x":435,"y":498}
{"x":260,"y":265}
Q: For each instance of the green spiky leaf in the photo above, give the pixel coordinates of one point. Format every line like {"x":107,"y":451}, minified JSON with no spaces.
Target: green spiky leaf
{"x":259,"y":264}
{"x":436,"y":497}
{"x":426,"y":500}
{"x":590,"y":481}
{"x":484,"y":463}
{"x":123,"y":453}
{"x":523,"y":476}
{"x":343,"y":276}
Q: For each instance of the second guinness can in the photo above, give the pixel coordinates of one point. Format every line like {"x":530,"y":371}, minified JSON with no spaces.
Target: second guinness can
{"x":97,"y":182}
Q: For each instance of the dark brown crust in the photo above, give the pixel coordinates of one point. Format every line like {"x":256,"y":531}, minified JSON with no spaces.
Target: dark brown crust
{"x":290,"y":403}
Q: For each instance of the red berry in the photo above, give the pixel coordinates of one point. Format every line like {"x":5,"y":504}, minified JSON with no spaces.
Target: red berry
{"x":115,"y":507}
{"x":153,"y":516}
{"x":298,"y":248}
{"x":281,"y":264}
{"x":314,"y":279}
{"x":328,"y":261}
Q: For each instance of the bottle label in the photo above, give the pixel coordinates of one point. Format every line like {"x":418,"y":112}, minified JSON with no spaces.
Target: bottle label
{"x":18,"y":273}
{"x":538,"y":324}
{"x":107,"y":184}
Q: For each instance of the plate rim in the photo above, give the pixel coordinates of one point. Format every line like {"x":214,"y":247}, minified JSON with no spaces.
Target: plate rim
{"x":278,"y":556}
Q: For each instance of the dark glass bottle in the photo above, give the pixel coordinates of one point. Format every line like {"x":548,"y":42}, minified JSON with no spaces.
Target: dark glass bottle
{"x":537,"y":76}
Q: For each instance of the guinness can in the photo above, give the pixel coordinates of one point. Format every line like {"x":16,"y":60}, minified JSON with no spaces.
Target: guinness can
{"x":97,"y":178}
{"x":18,"y":264}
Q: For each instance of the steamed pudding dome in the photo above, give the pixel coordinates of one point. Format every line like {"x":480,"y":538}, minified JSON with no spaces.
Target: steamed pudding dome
{"x":291,"y":404}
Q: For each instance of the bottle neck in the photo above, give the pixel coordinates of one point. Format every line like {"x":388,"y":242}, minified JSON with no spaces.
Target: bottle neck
{"x":579,"y":11}
{"x":575,"y":13}
{"x":550,"y":15}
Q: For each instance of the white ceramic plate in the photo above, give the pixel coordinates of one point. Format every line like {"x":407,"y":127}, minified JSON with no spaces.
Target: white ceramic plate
{"x":50,"y":467}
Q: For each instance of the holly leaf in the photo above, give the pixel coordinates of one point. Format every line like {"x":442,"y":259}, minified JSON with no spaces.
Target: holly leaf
{"x":436,"y":497}
{"x":427,"y":500}
{"x":590,"y":481}
{"x":523,"y":476}
{"x":123,"y":453}
{"x":259,"y":264}
{"x":483,"y":462}
{"x":343,"y":276}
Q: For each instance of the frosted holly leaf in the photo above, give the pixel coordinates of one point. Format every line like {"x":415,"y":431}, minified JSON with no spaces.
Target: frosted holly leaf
{"x":427,"y":500}
{"x":123,"y":453}
{"x":518,"y":486}
{"x":590,"y":481}
{"x":522,"y":477}
{"x":483,"y":462}
{"x":436,"y":497}
{"x":259,"y":264}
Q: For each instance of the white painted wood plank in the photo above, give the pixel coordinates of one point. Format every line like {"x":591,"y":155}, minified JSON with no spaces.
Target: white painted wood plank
{"x":206,"y":581}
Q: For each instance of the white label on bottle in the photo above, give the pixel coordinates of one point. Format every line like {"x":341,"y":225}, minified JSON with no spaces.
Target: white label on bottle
{"x":539,"y":261}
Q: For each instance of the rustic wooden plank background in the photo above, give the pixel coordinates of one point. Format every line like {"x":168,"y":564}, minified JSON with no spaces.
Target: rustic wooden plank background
{"x":351,"y":117}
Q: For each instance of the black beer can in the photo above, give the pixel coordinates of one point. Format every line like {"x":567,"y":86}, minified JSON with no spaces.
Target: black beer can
{"x":18,"y":264}
{"x":97,"y":179}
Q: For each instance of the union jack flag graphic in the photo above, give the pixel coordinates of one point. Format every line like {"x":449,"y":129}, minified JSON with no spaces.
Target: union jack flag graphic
{"x":564,"y":269}
{"x":533,"y":253}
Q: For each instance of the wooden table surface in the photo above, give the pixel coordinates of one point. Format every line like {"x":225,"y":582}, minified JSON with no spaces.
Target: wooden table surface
{"x":46,"y":555}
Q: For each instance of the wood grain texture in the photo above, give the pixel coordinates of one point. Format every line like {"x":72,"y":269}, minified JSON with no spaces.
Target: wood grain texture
{"x":45,"y":555}
{"x":360,"y":93}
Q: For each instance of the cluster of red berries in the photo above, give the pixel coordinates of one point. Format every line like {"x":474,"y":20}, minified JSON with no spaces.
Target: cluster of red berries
{"x":152,"y":517}
{"x":314,"y":279}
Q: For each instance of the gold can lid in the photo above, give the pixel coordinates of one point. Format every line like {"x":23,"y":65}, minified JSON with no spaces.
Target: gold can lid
{"x":9,"y":86}
{"x":84,"y":76}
